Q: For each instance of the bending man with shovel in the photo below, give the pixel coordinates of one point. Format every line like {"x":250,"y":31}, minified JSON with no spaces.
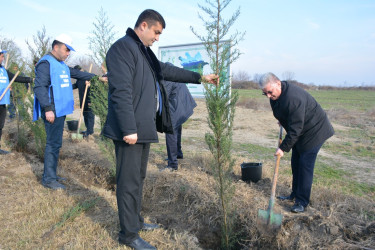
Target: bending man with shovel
{"x":307,"y":127}
{"x":53,"y":101}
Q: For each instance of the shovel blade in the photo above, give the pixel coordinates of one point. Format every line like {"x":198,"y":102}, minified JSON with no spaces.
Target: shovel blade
{"x":269,"y":219}
{"x":76,"y":136}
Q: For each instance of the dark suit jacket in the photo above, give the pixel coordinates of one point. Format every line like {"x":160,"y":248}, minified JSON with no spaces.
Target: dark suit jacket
{"x":181,"y":103}
{"x":132,"y":90}
{"x":304,"y":120}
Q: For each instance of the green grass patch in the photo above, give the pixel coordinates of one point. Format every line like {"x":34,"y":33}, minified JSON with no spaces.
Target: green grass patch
{"x":250,"y":93}
{"x":255,"y":151}
{"x":330,"y":176}
{"x":75,"y":211}
{"x":357,"y":133}
{"x":359,"y":100}
{"x":159,"y":148}
{"x":350,"y":149}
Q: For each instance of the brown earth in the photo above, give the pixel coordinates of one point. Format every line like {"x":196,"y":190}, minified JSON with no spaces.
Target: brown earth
{"x":184,"y":203}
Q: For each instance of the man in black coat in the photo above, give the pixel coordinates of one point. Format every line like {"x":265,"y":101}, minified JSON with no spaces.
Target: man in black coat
{"x":137,"y":109}
{"x":307,"y":127}
{"x":181,"y":106}
{"x":88,"y":115}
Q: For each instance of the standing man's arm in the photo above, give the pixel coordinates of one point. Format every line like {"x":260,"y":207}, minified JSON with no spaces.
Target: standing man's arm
{"x":41,"y":88}
{"x":176,"y":74}
{"x":21,"y":79}
{"x":121,"y":67}
{"x":80,"y":75}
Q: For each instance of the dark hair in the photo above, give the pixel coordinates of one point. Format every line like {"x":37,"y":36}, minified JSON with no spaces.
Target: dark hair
{"x":36,"y":60}
{"x":150,"y":17}
{"x":55,"y":42}
{"x":77,"y":67}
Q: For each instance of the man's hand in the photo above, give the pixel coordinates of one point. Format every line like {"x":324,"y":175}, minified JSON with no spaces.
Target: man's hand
{"x":103,"y":78}
{"x":279,"y":152}
{"x":50,"y":116}
{"x":88,"y":83}
{"x":130,"y":139}
{"x":212,"y":78}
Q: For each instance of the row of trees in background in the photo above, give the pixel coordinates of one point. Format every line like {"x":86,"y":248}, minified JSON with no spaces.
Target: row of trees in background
{"x":243,"y":80}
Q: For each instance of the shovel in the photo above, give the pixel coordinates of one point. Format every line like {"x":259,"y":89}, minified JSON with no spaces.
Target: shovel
{"x":10,"y":84}
{"x":267,"y":219}
{"x":78,"y":136}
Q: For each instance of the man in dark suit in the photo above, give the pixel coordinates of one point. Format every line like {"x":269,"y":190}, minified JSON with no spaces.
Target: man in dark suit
{"x":137,"y":109}
{"x":181,"y":106}
{"x":307,"y":127}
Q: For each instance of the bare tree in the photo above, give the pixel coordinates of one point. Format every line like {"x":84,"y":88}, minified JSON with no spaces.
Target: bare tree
{"x":13,"y":51}
{"x":257,"y":77}
{"x":241,"y":76}
{"x":288,"y":75}
{"x":41,"y":44}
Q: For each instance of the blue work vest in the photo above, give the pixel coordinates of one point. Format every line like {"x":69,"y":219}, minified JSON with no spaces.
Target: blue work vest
{"x":61,"y":88}
{"x":4,"y":82}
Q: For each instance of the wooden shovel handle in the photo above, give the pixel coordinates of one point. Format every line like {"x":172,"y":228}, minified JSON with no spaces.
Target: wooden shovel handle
{"x":6,"y":62}
{"x":280,"y":135}
{"x":275,"y":175}
{"x":83,"y":103}
{"x":10,"y":84}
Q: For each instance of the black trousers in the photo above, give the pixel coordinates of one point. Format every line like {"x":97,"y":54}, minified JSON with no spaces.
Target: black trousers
{"x":173,"y":142}
{"x":131,"y":167}
{"x":303,"y":172}
{"x":3,"y":114}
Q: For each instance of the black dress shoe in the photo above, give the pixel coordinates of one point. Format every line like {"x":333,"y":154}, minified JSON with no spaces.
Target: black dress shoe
{"x":138,"y":243}
{"x":297,"y":208}
{"x":285,"y":198}
{"x":149,"y":227}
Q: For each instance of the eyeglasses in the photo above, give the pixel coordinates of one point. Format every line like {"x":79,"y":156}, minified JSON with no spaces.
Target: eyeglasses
{"x":267,"y":92}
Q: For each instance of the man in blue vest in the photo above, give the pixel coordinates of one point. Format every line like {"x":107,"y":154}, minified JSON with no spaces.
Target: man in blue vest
{"x":53,"y":101}
{"x":4,"y":82}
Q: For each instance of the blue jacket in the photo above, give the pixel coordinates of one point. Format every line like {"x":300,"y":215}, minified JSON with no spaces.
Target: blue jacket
{"x":181,"y":103}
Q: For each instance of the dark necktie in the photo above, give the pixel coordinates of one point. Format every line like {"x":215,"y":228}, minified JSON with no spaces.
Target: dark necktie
{"x":157,"y":83}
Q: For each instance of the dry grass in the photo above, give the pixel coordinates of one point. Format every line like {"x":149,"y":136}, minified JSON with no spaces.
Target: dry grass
{"x":184,"y":203}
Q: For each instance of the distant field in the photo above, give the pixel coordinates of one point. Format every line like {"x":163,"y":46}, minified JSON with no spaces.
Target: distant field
{"x":360,"y":100}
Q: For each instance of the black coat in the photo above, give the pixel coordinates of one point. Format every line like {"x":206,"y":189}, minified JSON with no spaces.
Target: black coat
{"x":304,"y":120}
{"x":132,"y":90}
{"x":181,"y":103}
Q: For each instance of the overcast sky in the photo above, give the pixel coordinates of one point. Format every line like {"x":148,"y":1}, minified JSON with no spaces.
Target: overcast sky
{"x":321,"y":41}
